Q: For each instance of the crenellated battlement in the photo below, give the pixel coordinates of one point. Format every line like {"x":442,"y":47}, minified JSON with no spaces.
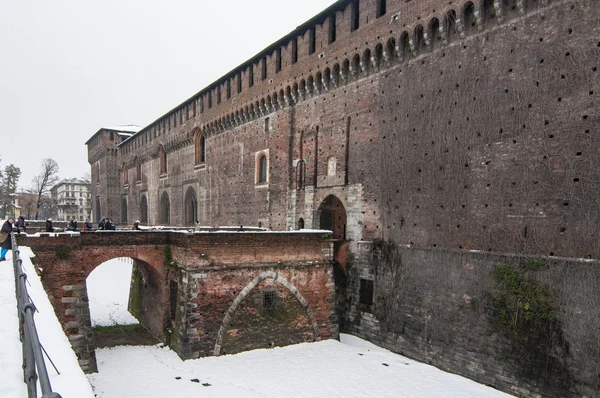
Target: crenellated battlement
{"x":265,"y":83}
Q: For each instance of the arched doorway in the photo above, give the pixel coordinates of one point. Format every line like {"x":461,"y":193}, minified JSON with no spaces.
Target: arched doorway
{"x":144,"y":210}
{"x":332,"y":216}
{"x":165,"y":210}
{"x":190,"y":207}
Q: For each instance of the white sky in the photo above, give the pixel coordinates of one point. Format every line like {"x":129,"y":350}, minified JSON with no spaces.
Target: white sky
{"x":352,"y":368}
{"x":70,"y":67}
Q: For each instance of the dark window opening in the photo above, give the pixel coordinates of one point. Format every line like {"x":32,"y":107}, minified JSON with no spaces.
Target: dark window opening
{"x":294,"y":51}
{"x":278,"y":60}
{"x":381,"y":8}
{"x":239,"y":83}
{"x":250,"y":76}
{"x":263,"y":72}
{"x":228,"y":91}
{"x":355,"y":18}
{"x":332,"y":32}
{"x":209,"y":99}
{"x":269,"y":299}
{"x":312,"y":41}
{"x":366,"y":292}
{"x":218,"y":94}
{"x":301,"y":223}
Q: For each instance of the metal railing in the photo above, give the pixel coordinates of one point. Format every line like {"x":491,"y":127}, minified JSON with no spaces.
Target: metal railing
{"x":32,"y":349}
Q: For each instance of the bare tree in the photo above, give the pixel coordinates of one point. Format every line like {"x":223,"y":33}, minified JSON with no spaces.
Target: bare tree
{"x":42,"y":183}
{"x":27,"y":201}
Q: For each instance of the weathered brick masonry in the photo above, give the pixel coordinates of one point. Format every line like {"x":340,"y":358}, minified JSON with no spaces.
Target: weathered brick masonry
{"x":203,"y":293}
{"x":450,"y":126}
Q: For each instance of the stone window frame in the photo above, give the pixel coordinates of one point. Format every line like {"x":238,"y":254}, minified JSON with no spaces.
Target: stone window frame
{"x":199,"y":149}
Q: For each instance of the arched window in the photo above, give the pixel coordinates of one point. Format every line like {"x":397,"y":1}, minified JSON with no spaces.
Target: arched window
{"x":419,"y":39}
{"x":469,"y":21}
{"x":434,"y":31}
{"x":489,"y":12}
{"x":165,"y":210}
{"x":199,"y":148}
{"x":163,"y":160}
{"x":97,"y":171}
{"x":450,"y":25}
{"x":144,"y":210}
{"x":301,"y":223}
{"x":191,"y":207}
{"x":262,"y":164}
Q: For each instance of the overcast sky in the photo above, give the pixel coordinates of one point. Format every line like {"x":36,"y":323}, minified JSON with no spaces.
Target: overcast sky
{"x":69,"y":67}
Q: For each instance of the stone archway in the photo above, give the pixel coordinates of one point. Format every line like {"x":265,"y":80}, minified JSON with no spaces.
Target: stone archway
{"x":149,"y":295}
{"x":281,"y":280}
{"x":331,"y":215}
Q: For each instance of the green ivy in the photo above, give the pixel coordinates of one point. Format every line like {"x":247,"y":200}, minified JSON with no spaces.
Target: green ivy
{"x":521,"y":305}
{"x":523,"y":311}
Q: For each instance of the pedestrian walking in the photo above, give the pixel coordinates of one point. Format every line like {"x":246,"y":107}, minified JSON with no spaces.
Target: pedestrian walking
{"x":5,"y":233}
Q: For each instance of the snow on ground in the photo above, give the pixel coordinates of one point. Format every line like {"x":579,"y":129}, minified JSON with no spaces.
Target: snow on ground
{"x":72,"y":382}
{"x":350,"y":368}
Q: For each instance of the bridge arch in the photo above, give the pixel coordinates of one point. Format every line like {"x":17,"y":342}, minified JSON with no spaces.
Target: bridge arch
{"x":280,"y":279}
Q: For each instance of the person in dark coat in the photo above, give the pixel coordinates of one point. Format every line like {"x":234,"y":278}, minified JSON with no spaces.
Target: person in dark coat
{"x":72,"y":225}
{"x":136,"y":226}
{"x":109,"y":225}
{"x":5,"y":237}
{"x":21,"y":226}
{"x":49,"y":227}
{"x":102,"y":224}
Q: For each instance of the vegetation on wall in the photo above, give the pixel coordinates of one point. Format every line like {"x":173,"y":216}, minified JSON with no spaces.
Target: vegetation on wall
{"x":523,"y":311}
{"x":386,"y":261}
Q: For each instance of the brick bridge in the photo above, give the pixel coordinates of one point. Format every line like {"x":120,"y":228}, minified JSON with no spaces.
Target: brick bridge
{"x":202,"y":293}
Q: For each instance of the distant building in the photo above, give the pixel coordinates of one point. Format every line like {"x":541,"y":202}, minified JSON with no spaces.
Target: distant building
{"x":72,"y":199}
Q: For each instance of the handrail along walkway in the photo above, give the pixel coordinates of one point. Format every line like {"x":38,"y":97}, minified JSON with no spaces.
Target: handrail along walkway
{"x":32,"y":349}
